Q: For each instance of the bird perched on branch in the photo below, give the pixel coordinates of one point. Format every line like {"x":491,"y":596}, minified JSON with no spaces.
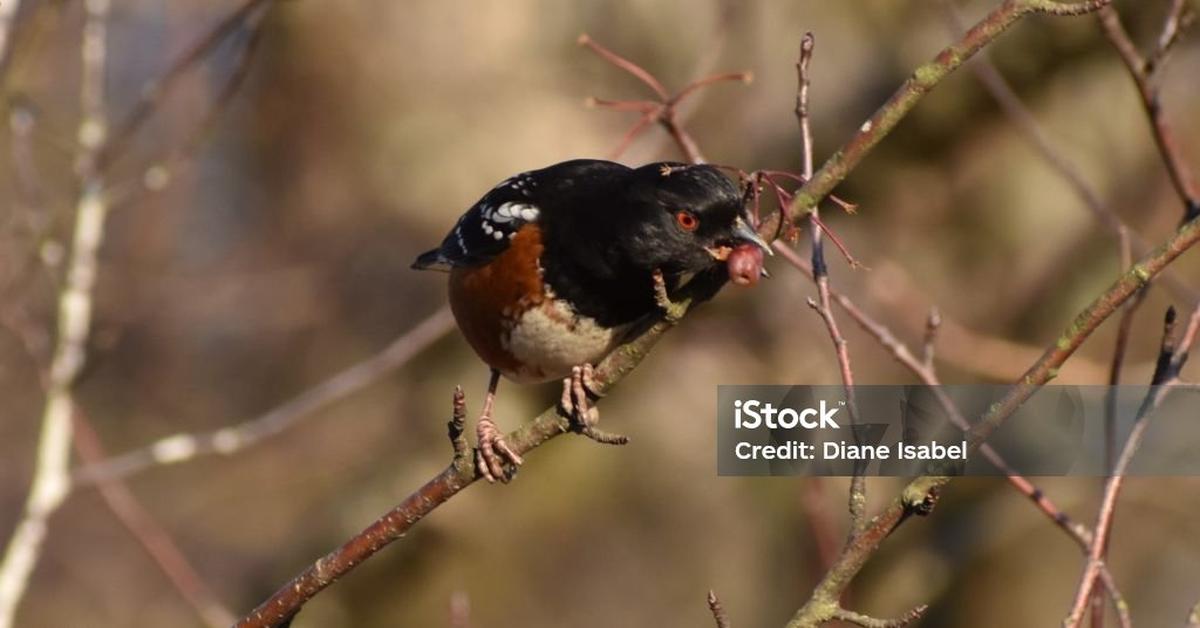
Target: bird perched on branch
{"x":553,"y":268}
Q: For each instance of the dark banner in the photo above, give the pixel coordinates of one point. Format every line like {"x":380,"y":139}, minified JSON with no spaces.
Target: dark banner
{"x":918,"y":430}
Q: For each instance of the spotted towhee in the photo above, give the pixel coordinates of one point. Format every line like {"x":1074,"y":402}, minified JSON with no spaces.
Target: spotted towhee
{"x":553,"y":268}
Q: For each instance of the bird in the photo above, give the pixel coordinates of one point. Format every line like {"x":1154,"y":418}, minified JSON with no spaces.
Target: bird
{"x":554,"y":268}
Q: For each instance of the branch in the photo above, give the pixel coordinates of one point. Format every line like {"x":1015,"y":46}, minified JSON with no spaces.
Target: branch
{"x":1143,"y":75}
{"x":718,"y":612}
{"x":870,"y":622}
{"x":149,"y":533}
{"x":225,"y":441}
{"x":288,"y":600}
{"x":820,"y":277}
{"x":663,"y":110}
{"x":1166,"y":374}
{"x":923,"y":79}
{"x":8,"y":14}
{"x":51,"y":478}
{"x":916,"y":495}
{"x":460,"y":474}
{"x":155,"y":91}
{"x":1128,"y":242}
{"x":927,"y":374}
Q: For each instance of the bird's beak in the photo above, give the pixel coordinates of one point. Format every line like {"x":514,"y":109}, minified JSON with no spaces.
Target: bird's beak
{"x":742,"y":231}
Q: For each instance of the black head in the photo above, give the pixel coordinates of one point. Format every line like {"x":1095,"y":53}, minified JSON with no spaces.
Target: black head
{"x":688,"y":218}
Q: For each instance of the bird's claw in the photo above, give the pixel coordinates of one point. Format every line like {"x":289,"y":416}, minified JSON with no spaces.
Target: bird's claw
{"x":579,"y":391}
{"x":493,"y":452}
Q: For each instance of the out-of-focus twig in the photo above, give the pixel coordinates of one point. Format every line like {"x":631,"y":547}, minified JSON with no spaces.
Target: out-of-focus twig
{"x":1143,"y":74}
{"x":150,"y":534}
{"x":663,"y":110}
{"x":157,"y":89}
{"x":51,"y":476}
{"x":8,"y":13}
{"x":228,"y":440}
{"x":718,"y":611}
{"x":460,"y":610}
{"x":155,"y":177}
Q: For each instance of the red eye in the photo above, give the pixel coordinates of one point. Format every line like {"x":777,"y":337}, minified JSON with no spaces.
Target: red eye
{"x":687,"y":220}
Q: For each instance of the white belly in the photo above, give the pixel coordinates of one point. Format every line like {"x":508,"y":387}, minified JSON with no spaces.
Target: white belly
{"x":551,"y":339}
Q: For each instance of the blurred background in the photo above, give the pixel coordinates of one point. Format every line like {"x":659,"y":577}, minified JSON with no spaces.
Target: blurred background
{"x":246,"y":263}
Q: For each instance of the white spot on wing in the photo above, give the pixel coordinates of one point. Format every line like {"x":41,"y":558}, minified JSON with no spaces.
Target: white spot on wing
{"x":462,"y":244}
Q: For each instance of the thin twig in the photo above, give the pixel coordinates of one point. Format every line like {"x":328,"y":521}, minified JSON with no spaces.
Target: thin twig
{"x":460,"y":610}
{"x":859,"y":619}
{"x":858,"y":483}
{"x":187,"y":446}
{"x":1142,"y":74}
{"x":151,"y":535}
{"x":923,"y":79}
{"x":51,"y":479}
{"x":718,"y":611}
{"x":155,"y":91}
{"x":461,"y":473}
{"x":664,"y":110}
{"x":926,"y":373}
{"x":1193,"y":620}
{"x":1129,"y":243}
{"x":1179,"y":17}
{"x":1171,"y":358}
{"x":156,"y":177}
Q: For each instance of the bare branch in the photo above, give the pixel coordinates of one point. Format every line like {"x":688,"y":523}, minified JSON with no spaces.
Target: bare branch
{"x":461,"y":473}
{"x":154,"y":92}
{"x":923,"y":79}
{"x":1171,"y":359}
{"x":870,"y":622}
{"x":664,"y":110}
{"x":1143,"y":78}
{"x":718,"y":612}
{"x":51,"y":479}
{"x":186,"y":446}
{"x":150,"y":534}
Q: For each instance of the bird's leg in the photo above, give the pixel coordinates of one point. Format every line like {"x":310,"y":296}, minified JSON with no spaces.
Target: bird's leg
{"x":579,"y":392}
{"x":493,"y":451}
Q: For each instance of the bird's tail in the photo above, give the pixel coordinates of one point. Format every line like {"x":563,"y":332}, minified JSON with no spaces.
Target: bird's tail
{"x":431,"y":260}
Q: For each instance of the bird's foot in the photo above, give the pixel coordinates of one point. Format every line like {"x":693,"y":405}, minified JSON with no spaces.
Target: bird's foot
{"x":672,"y":311}
{"x":494,"y":452}
{"x":579,"y":393}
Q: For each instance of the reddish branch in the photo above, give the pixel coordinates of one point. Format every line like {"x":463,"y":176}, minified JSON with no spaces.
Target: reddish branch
{"x":663,"y":110}
{"x":460,"y":473}
{"x":1143,"y":72}
{"x":1172,"y":356}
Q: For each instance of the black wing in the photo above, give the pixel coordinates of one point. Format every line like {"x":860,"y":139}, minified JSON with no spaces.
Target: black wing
{"x":485,"y":230}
